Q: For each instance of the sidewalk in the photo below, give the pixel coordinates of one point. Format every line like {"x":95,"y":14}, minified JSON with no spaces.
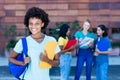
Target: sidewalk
{"x":114,"y":71}
{"x":113,"y":60}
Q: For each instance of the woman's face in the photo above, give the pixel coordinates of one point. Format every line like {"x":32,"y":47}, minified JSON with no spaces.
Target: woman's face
{"x":68,"y":32}
{"x":99,"y":31}
{"x":35,"y":25}
{"x":86,"y":25}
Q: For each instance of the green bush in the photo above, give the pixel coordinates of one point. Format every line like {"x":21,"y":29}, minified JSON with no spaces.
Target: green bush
{"x":11,"y":44}
{"x":115,"y":44}
{"x":55,"y":31}
{"x":10,"y":34}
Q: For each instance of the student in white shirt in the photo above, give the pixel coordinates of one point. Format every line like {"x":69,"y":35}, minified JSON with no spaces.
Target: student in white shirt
{"x":35,"y":20}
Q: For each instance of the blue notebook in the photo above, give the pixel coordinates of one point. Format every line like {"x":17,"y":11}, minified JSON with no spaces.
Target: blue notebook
{"x":103,"y":45}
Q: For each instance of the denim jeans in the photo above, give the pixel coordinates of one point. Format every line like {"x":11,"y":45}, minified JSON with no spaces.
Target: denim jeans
{"x":65,"y":61}
{"x":84,"y":55}
{"x":102,"y":71}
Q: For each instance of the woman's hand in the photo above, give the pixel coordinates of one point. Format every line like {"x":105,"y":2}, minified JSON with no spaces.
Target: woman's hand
{"x":102,"y":52}
{"x":91,"y":44}
{"x":95,"y":54}
{"x":97,"y":51}
{"x":44,"y":57}
{"x":54,"y":62}
{"x":27,"y":60}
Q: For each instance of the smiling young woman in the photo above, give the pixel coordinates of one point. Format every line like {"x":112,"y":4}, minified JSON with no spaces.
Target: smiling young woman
{"x":85,"y":53}
{"x":35,"y":20}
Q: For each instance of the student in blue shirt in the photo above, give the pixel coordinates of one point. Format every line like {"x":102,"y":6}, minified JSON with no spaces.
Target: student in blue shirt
{"x":85,"y":53}
{"x":103,"y":48}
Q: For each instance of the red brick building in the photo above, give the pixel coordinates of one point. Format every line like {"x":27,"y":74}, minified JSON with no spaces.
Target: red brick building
{"x":98,"y":11}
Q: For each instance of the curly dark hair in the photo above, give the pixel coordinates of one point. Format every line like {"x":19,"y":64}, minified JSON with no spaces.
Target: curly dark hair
{"x":37,"y":13}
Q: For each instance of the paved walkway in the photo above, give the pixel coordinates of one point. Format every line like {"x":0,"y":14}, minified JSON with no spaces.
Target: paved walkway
{"x":113,"y":60}
{"x":114,"y":70}
{"x":113,"y":74}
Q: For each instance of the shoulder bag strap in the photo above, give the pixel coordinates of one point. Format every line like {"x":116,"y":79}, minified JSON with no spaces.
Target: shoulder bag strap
{"x":25,"y":47}
{"x":25,"y":52}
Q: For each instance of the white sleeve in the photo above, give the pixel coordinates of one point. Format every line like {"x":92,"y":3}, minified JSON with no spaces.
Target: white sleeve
{"x":18,"y":47}
{"x":57,"y":49}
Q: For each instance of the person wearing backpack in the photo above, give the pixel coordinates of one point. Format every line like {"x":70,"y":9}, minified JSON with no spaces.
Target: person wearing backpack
{"x":35,"y":20}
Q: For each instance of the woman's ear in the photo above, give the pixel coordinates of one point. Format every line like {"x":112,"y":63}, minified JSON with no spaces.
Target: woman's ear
{"x":103,"y":31}
{"x":42,"y":24}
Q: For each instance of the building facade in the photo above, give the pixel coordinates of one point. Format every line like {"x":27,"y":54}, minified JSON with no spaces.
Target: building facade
{"x":98,"y":11}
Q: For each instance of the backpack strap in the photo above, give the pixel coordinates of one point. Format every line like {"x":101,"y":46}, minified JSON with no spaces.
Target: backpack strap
{"x":25,"y":47}
{"x":25,"y":50}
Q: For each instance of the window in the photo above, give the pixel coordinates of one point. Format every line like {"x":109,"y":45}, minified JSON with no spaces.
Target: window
{"x":116,"y":33}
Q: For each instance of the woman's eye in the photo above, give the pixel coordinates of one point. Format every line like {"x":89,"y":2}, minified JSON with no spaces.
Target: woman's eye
{"x":37,"y":24}
{"x":30,"y":24}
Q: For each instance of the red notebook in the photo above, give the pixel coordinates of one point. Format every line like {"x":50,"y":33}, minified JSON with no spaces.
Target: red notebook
{"x":69,"y":44}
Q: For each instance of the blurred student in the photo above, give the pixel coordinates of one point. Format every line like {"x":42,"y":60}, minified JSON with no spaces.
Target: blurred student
{"x":65,"y":58}
{"x":103,"y":48}
{"x":85,"y":53}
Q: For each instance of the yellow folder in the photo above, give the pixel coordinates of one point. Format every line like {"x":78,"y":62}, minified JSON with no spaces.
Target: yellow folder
{"x":50,"y":48}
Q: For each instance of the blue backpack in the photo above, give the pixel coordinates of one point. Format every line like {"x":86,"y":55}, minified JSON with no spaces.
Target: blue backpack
{"x":17,"y":70}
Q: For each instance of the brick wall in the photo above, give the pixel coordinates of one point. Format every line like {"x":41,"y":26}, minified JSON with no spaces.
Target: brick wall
{"x":98,"y":11}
